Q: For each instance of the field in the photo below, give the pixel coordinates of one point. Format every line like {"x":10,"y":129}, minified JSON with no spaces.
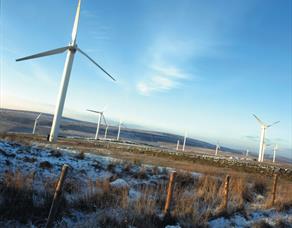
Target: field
{"x":112,"y":184}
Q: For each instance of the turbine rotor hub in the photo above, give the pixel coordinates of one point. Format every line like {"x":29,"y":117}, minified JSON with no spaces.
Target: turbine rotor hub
{"x":73,"y":48}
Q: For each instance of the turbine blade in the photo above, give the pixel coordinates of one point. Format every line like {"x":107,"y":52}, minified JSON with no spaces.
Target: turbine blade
{"x":46,"y":53}
{"x":89,"y":110}
{"x":273,"y":123}
{"x":76,"y":21}
{"x":39,"y":116}
{"x":258,"y":119}
{"x":83,"y":53}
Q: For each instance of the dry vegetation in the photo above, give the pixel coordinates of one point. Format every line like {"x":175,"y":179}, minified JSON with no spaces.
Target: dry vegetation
{"x":195,"y":200}
{"x":153,"y":156}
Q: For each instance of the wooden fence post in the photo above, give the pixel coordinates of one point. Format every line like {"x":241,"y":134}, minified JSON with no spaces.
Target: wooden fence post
{"x":169,"y":192}
{"x":226,"y":190}
{"x":274,"y":188}
{"x":57,"y":196}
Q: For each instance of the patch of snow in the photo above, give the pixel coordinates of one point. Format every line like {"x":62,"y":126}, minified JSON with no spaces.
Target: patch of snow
{"x":173,"y":226}
{"x":119,"y":184}
{"x":219,"y":223}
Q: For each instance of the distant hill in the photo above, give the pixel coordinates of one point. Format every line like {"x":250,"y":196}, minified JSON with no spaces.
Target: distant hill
{"x":22,"y":121}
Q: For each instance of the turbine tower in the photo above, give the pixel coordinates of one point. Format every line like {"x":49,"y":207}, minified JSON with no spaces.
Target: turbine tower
{"x":177,"y":144}
{"x":217,"y":149}
{"x":264,"y":127}
{"x":119,"y":130}
{"x":35,"y":123}
{"x":185,"y":139}
{"x":71,"y":50}
{"x":100,"y":116}
{"x":105,"y":132}
{"x":274,"y":155}
{"x":246,"y":154}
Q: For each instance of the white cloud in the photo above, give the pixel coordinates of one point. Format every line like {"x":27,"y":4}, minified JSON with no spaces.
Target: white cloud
{"x":165,"y":78}
{"x":168,"y":58}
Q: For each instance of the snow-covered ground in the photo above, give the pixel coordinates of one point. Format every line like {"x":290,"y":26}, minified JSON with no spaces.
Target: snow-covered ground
{"x":46,"y":162}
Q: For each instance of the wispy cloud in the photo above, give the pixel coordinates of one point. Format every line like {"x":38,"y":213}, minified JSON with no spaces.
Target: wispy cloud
{"x":166,"y":69}
{"x":164,"y":78}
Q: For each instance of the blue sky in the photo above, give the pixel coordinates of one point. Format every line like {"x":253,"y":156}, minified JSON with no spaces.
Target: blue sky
{"x":200,"y":66}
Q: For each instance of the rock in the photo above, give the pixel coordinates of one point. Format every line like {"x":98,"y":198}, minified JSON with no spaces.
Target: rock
{"x":119,"y":184}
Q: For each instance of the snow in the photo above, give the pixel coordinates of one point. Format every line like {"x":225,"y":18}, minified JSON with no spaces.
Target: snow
{"x":119,"y":184}
{"x":28,"y":159}
{"x":171,"y":226}
{"x":239,"y":220}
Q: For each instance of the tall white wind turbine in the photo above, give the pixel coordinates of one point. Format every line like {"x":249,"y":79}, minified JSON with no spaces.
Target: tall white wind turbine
{"x":177,"y":144}
{"x":217,"y":149}
{"x":71,"y":50}
{"x":119,"y":130}
{"x":264,"y":127}
{"x":185,"y":139}
{"x":274,"y":154}
{"x":100,"y":116}
{"x":246,"y":154}
{"x":35,"y":123}
{"x":105,"y":132}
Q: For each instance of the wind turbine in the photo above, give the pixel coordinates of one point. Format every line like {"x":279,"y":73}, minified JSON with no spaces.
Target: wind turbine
{"x":177,"y":144}
{"x":35,"y":123}
{"x":264,"y":127}
{"x":71,"y":50}
{"x":274,"y":155}
{"x":105,"y":132}
{"x":100,"y":116}
{"x":119,"y":130}
{"x":246,"y":154}
{"x":217,"y":149}
{"x":185,"y":139}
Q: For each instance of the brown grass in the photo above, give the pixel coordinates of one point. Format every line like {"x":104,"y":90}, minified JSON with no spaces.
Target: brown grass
{"x":283,"y":201}
{"x":19,"y":199}
{"x":195,"y":199}
{"x":152,"y":156}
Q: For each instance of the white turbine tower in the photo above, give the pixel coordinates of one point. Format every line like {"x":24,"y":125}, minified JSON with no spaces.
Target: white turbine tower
{"x":119,"y":130}
{"x":246,"y":154}
{"x":71,"y":50}
{"x":185,"y":139}
{"x":177,"y":144}
{"x":105,"y":132}
{"x":262,"y":137}
{"x":274,"y":155}
{"x":35,"y":123}
{"x":100,"y":116}
{"x":217,"y":149}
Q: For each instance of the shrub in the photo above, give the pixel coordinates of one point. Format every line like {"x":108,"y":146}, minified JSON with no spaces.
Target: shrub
{"x":259,"y":187}
{"x":80,"y":155}
{"x":55,"y":153}
{"x":46,"y":165}
{"x":261,"y":224}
